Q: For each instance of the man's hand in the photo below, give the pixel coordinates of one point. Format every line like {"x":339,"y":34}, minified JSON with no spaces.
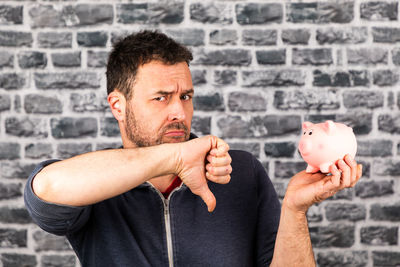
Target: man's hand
{"x":305,"y":189}
{"x":203,"y":159}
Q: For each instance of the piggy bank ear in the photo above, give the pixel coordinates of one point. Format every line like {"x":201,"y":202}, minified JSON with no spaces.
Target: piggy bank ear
{"x":307,"y":125}
{"x":329,"y":126}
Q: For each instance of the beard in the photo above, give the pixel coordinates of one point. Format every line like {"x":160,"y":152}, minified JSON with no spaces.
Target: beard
{"x":136,"y":131}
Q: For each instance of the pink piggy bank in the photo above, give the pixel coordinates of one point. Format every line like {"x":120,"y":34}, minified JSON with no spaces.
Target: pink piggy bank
{"x":323,"y":144}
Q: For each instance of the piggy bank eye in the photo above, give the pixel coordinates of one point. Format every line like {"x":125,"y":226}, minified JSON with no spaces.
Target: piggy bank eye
{"x":310,"y":133}
{"x":304,"y":133}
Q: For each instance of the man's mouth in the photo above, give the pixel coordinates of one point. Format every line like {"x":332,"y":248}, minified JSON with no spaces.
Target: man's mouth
{"x":175,"y":133}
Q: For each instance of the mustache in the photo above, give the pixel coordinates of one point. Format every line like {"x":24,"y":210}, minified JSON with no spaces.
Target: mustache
{"x":176,"y":126}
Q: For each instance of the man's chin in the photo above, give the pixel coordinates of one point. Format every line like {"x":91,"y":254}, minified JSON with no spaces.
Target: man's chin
{"x":174,"y":139}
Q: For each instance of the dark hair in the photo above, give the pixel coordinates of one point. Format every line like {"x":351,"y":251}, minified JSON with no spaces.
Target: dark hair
{"x":138,"y":49}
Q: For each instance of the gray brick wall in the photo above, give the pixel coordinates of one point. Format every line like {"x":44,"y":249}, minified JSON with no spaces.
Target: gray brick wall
{"x":261,"y":68}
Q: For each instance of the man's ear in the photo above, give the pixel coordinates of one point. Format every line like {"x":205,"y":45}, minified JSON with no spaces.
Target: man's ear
{"x":117,"y":103}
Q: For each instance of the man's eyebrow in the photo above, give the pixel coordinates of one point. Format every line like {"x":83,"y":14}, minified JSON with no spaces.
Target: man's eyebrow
{"x":161,"y":92}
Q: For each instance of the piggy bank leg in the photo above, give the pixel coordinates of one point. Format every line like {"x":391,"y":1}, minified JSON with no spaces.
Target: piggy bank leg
{"x":311,"y":169}
{"x":325,"y":167}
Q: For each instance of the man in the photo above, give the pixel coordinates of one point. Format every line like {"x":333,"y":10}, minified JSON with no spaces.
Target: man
{"x":143,"y":205}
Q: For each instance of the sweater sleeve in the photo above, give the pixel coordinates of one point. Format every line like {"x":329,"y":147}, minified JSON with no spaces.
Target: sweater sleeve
{"x":53,"y":218}
{"x":269,"y":209}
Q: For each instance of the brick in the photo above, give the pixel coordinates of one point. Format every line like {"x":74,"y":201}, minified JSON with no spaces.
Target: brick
{"x":345,"y":194}
{"x":10,"y":191}
{"x":264,"y":78}
{"x":310,"y":99}
{"x":49,"y":242}
{"x":18,"y":260}
{"x":151,"y":13}
{"x":387,"y":167}
{"x":54,"y":39}
{"x":252,"y":13}
{"x":9,"y":151}
{"x":58,"y":260}
{"x":374,"y":148}
{"x":109,"y":127}
{"x":5,"y":102}
{"x":211,"y":13}
{"x":379,"y":235}
{"x":38,"y":151}
{"x":16,"y":39}
{"x":265,"y":126}
{"x":239,"y":101}
{"x":15,"y":169}
{"x":11,"y":15}
{"x":225,"y":77}
{"x":280,"y":189}
{"x":12,"y":238}
{"x":385,"y":77}
{"x":396,"y":56}
{"x":333,"y":235}
{"x":383,"y":212}
{"x":312,"y":56}
{"x":280,"y":149}
{"x":259,"y":37}
{"x":67,"y":80}
{"x":385,"y":35}
{"x":225,"y":57}
{"x":94,"y":14}
{"x":6,"y":59}
{"x":223,"y":37}
{"x":26,"y":127}
{"x":365,"y":99}
{"x":10,"y":81}
{"x":14,"y":215}
{"x":97,"y":59}
{"x":320,"y":12}
{"x":66,"y":60}
{"x":67,"y":127}
{"x":378,"y":11}
{"x":367,"y":56}
{"x":271,"y":57}
{"x":118,"y":36}
{"x":213,"y":102}
{"x":314,"y":214}
{"x":386,"y":258}
{"x":366,"y":168}
{"x":201,"y":125}
{"x":89,"y":102}
{"x":38,"y":104}
{"x":198,"y":77}
{"x":341,"y":78}
{"x":351,"y":35}
{"x":187,"y":37}
{"x":253,"y":148}
{"x":342,"y":258}
{"x":32,"y":59}
{"x":287,"y":170}
{"x":296,"y":36}
{"x":345,"y":211}
{"x":69,"y":150}
{"x":92,"y":39}
{"x":46,"y":16}
{"x":114,"y":145}
{"x":389,"y":123}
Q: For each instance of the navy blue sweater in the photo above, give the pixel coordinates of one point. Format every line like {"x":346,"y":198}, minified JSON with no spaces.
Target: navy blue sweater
{"x":131,"y":229}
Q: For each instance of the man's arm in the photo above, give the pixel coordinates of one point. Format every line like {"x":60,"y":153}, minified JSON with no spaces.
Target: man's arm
{"x":293,"y":245}
{"x":96,"y":176}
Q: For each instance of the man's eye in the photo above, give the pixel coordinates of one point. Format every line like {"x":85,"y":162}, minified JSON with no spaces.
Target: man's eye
{"x":160,"y":98}
{"x":186,"y":97}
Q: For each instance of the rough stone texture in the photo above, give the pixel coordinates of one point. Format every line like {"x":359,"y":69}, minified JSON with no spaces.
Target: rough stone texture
{"x":89,"y":102}
{"x":353,"y":35}
{"x":12,"y":238}
{"x":272,"y":78}
{"x":225,"y":77}
{"x":201,"y":125}
{"x":341,"y":211}
{"x":374,"y":148}
{"x":66,"y":60}
{"x":387,"y":168}
{"x":271,"y":57}
{"x":281,"y":149}
{"x":199,"y":77}
{"x":10,"y":191}
{"x":212,"y":102}
{"x":223,"y":37}
{"x":150,"y":13}
{"x":97,"y":59}
{"x":32,"y":59}
{"x":239,"y":101}
{"x":344,"y":259}
{"x":67,"y":80}
{"x":382,"y":212}
{"x":5,"y":102}
{"x":389,"y":123}
{"x":379,"y":11}
{"x":188,"y":37}
{"x":18,"y":260}
{"x":259,"y":37}
{"x":386,"y":77}
{"x":69,"y":150}
{"x":109,"y":127}
{"x":68,"y":127}
{"x":16,"y":39}
{"x":15,"y":169}
{"x":386,"y":34}
{"x":11,"y":15}
{"x":306,"y":100}
{"x":54,"y":39}
{"x":211,"y":13}
{"x":12,"y":81}
{"x":366,"y":56}
{"x":26,"y":127}
{"x":252,"y":13}
{"x":286,"y":170}
{"x":9,"y":151}
{"x":386,"y":258}
{"x":38,"y":151}
{"x":396,"y":56}
{"x":378,"y":235}
{"x":298,"y":36}
{"x":307,"y":56}
{"x":366,"y":99}
{"x":320,"y":12}
{"x":55,"y":260}
{"x":6,"y":59}
{"x":333,"y":235}
{"x":253,"y":148}
{"x":226,"y":57}
{"x":14,"y":215}
{"x":341,"y":78}
{"x":48,"y":242}
{"x":91,"y":39}
{"x":38,"y":104}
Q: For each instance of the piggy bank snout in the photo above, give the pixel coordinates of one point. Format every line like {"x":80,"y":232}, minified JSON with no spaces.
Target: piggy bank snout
{"x":305,"y":146}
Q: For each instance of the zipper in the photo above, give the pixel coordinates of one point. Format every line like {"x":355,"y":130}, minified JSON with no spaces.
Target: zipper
{"x":167,"y":221}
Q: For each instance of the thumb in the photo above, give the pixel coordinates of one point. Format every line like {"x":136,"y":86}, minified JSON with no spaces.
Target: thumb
{"x":208,"y":197}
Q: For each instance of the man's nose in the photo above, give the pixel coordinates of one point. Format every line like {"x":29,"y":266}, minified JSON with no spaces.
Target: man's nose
{"x":176,"y":111}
